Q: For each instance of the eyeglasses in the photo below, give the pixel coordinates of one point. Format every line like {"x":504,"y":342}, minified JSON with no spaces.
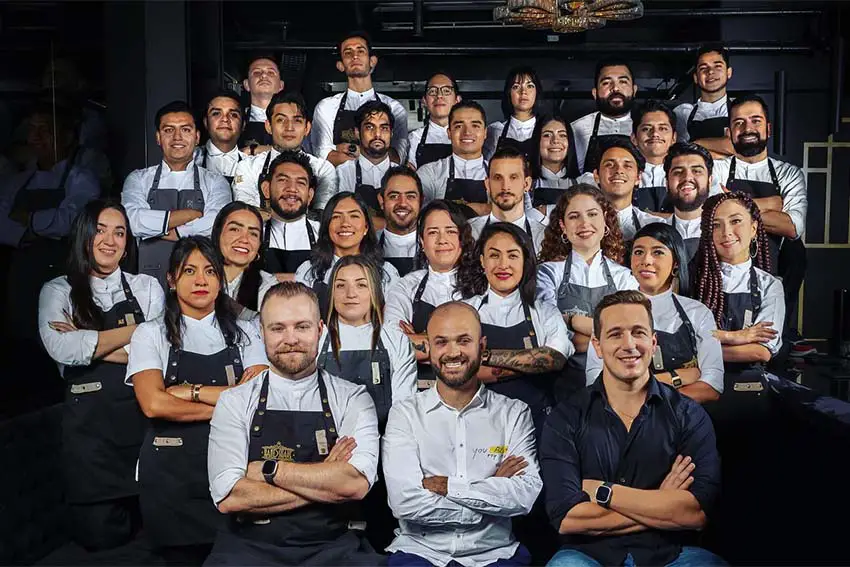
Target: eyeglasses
{"x":434,"y":92}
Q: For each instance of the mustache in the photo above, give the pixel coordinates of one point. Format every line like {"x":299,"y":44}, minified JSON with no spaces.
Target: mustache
{"x":449,"y":360}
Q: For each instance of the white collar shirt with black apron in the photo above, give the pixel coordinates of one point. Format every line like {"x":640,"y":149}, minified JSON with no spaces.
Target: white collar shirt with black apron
{"x":472,"y":524}
{"x":254,"y":132}
{"x":517,"y":134}
{"x":211,"y":158}
{"x":288,"y":244}
{"x":651,"y":194}
{"x":102,"y":424}
{"x":685,"y":330}
{"x":413,"y":298}
{"x":690,"y":230}
{"x":249,"y":171}
{"x":550,"y":186}
{"x":767,"y":178}
{"x":455,"y":179}
{"x":363,"y":177}
{"x":576,"y":287}
{"x":509,"y":323}
{"x":632,"y":219}
{"x":428,"y":144}
{"x":306,"y":274}
{"x":702,"y":120}
{"x":398,"y":249}
{"x":233,"y":287}
{"x":591,"y":129}
{"x":275,"y":418}
{"x":173,"y":486}
{"x":333,"y":121}
{"x":150,"y":194}
{"x":531,"y":227}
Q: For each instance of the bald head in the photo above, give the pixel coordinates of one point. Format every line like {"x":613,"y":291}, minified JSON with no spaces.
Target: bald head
{"x":454,"y":335}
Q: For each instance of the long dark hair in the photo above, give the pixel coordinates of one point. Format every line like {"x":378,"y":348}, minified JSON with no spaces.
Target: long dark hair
{"x":670,"y":237}
{"x":467,"y":242}
{"x":709,"y":287}
{"x":515,"y":75}
{"x":472,"y":279}
{"x":555,"y":247}
{"x":225,"y":310}
{"x":323,"y":252}
{"x":251,"y":278}
{"x":87,"y":315}
{"x":373,"y":274}
{"x":537,"y":136}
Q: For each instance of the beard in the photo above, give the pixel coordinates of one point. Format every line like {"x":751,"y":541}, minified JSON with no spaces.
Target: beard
{"x":289,"y":215}
{"x":604,"y":105}
{"x":376,"y":153}
{"x":689,"y":206}
{"x":459,"y":382}
{"x":750,"y":149}
{"x":405,"y":225}
{"x":505,"y":204}
{"x":287,"y":365}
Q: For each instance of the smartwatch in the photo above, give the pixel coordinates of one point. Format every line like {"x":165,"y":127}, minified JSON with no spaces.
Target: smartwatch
{"x":485,"y":357}
{"x":269,"y":470}
{"x":603,"y":494}
{"x":677,"y":382}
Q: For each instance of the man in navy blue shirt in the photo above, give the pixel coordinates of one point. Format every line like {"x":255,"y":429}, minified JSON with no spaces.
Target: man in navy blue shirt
{"x":630,"y":466}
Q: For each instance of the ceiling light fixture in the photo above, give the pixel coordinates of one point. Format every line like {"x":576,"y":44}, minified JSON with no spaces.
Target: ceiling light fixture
{"x":567,"y":16}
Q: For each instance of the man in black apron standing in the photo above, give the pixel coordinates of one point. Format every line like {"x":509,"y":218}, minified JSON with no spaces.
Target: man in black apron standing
{"x":653,"y":133}
{"x":431,"y":142}
{"x":400,"y":198}
{"x":334,"y":137}
{"x":779,"y":190}
{"x":704,"y":122}
{"x":175,"y":198}
{"x":223,"y":123}
{"x":262,"y":83}
{"x":614,"y":92}
{"x":290,"y":470}
{"x":689,"y":173}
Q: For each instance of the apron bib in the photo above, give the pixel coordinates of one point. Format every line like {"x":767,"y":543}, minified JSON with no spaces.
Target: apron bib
{"x":708,"y":128}
{"x":254,"y":133}
{"x":344,"y":125}
{"x":595,"y":143}
{"x":403,"y":264}
{"x":542,"y":196}
{"x":421,"y":313}
{"x":367,"y":192}
{"x":279,"y":261}
{"x":463,"y":191}
{"x":677,"y":349}
{"x":526,"y":147}
{"x":228,"y":177}
{"x":650,"y":199}
{"x":429,"y":153}
{"x":691,"y":244}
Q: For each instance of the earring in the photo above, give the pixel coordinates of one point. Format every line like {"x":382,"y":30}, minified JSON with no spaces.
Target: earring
{"x":676,"y":272}
{"x":754,"y":248}
{"x":564,"y":238}
{"x":607,"y":231}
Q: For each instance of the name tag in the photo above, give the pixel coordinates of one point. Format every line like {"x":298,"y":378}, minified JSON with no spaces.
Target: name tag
{"x":376,"y":373}
{"x":425,"y":384}
{"x":658,"y":358}
{"x":231,"y":374}
{"x":526,"y":342}
{"x":357,"y":526}
{"x":86,"y":388}
{"x":322,"y":441}
{"x":748,"y":387}
{"x":748,"y":318}
{"x":129,"y":319}
{"x":167,"y":441}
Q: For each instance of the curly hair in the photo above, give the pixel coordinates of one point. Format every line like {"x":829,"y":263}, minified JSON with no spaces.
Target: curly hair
{"x":556,"y":248}
{"x":709,"y":280}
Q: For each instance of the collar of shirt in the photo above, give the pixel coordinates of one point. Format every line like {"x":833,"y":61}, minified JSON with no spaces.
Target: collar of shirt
{"x":662,"y":297}
{"x":208,"y":321}
{"x":355,"y":100}
{"x":522,"y":127}
{"x":742,"y":167}
{"x":167,"y":170}
{"x":370,"y":168}
{"x":688,"y":228}
{"x":551,"y":176}
{"x":214,"y":151}
{"x":578,"y":262}
{"x":467,"y":168}
{"x":625,"y":118}
{"x":520,"y":222}
{"x":257,"y":114}
{"x":625,"y":216}
{"x":232,"y":287}
{"x":653,"y":175}
{"x":399,"y":240}
{"x":435,"y":129}
{"x":710,"y":106}
{"x":107,"y":285}
{"x":503,"y":302}
{"x":653,"y":391}
{"x":289,"y":385}
{"x":353,"y":337}
{"x":735,"y":272}
{"x":442,"y":278}
{"x":433,"y":400}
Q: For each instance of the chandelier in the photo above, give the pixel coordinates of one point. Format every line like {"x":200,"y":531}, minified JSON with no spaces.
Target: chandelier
{"x":566,"y":16}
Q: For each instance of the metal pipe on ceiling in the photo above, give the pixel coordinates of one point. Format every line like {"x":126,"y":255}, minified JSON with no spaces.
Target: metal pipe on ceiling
{"x":780,"y":97}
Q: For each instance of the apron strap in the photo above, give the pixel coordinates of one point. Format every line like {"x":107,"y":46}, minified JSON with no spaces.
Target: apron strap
{"x":731,"y":176}
{"x":260,"y":413}
{"x":172,"y":366}
{"x":206,"y":153}
{"x":311,"y":236}
{"x":755,"y":292}
{"x":417,"y":297}
{"x":423,"y":140}
{"x":566,"y":279}
{"x":323,"y":352}
{"x":686,"y":321}
{"x":605,"y":270}
{"x":128,"y":296}
{"x":197,"y":176}
{"x":451,"y":167}
{"x":526,"y":311}
{"x":330,"y":426}
{"x":773,"y":178}
{"x":267,"y":235}
{"x":341,"y":108}
{"x":155,"y":184}
{"x":358,"y":173}
{"x":692,"y":114}
{"x":596,"y":121}
{"x":504,"y":135}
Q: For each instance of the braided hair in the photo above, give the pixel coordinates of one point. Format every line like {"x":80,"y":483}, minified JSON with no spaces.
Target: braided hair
{"x":556,"y":247}
{"x":709,"y":279}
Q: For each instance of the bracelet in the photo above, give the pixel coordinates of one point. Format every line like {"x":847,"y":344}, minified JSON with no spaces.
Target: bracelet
{"x":196,"y":393}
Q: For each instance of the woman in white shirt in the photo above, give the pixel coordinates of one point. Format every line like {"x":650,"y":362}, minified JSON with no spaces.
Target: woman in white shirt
{"x":178,"y":365}
{"x":86,"y":319}
{"x":238,"y":232}
{"x":527,"y":339}
{"x":346,"y":230}
{"x":581,"y":256}
{"x":688,"y":356}
{"x":552,"y":136}
{"x":519,"y":106}
{"x":443,"y":237}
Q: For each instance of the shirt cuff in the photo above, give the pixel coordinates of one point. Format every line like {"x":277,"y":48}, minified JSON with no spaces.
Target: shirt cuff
{"x":457,"y":488}
{"x":364,"y":465}
{"x":165,"y":223}
{"x":88,"y":340}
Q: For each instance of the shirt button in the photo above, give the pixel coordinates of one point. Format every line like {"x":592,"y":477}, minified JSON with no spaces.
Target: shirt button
{"x":622,"y":481}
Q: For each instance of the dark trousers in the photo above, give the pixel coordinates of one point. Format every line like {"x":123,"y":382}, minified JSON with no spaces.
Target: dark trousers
{"x":185,"y":555}
{"x":104,"y":525}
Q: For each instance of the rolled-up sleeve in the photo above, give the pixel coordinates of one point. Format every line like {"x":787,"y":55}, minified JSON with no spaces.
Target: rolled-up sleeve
{"x":253,"y":350}
{"x":322,"y":134}
{"x":403,"y":363}
{"x":549,"y":276}
{"x":146,"y":350}
{"x":216,"y":196}
{"x":700,"y":444}
{"x":327,"y":185}
{"x":144,"y":221}
{"x":246,"y":179}
{"x":505,"y":496}
{"x":709,"y":350}
{"x":81,"y":187}
{"x":555,"y":334}
{"x":227,"y":454}
{"x":772,"y":308}
{"x":69,"y":349}
{"x":560,"y":463}
{"x":795,"y":202}
{"x":361,"y":422}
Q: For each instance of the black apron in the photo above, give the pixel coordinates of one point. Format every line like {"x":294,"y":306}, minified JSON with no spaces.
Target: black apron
{"x":691,"y":244}
{"x":279,"y":261}
{"x":403,"y":264}
{"x":677,"y":349}
{"x":594,"y":144}
{"x":254,"y":132}
{"x":462,"y":191}
{"x":228,"y":177}
{"x":650,"y":199}
{"x":368,"y":193}
{"x":542,"y":196}
{"x":315,"y":534}
{"x":174,"y":488}
{"x":36,"y":262}
{"x":526,"y":147}
{"x":536,"y":390}
{"x":154,"y":253}
{"x":322,"y":291}
{"x":574,"y":298}
{"x":344,"y":125}
{"x":421,"y":313}
{"x":708,"y":128}
{"x":102,"y":424}
{"x":429,"y":153}
{"x":759,"y":190}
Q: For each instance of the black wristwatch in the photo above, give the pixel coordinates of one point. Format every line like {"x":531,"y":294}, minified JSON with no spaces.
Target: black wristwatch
{"x":269,"y":470}
{"x":603,"y":494}
{"x":676,"y":381}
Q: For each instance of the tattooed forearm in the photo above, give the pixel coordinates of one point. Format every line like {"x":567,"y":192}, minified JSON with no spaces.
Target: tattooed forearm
{"x":528,"y":361}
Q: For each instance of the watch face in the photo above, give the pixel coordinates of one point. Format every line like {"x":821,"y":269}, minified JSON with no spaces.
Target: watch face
{"x":603,"y":493}
{"x":269,"y":467}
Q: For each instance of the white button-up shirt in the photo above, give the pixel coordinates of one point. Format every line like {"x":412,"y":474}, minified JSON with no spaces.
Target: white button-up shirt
{"x":551,"y":274}
{"x":687,"y":228}
{"x":517,"y":130}
{"x":471,"y":524}
{"x":736,"y":279}
{"x":148,"y":223}
{"x":583,"y":128}
{"x":292,"y":235}
{"x":246,"y":181}
{"x":435,"y":174}
{"x":653,"y":176}
{"x":372,"y":173}
{"x":436,"y":135}
{"x":77,"y":347}
{"x":353,"y":414}
{"x":439,"y":289}
{"x":666,"y":318}
{"x":705,"y":110}
{"x":217,"y":161}
{"x":627,"y":221}
{"x":792,"y":184}
{"x":398,"y":245}
{"x":322,"y":134}
{"x":477,"y":225}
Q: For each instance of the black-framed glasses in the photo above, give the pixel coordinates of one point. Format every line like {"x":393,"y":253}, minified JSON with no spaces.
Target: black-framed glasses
{"x":446,"y":90}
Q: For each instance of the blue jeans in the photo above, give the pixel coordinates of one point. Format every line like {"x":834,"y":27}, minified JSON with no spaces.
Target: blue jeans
{"x":689,"y":557}
{"x":401,"y":559}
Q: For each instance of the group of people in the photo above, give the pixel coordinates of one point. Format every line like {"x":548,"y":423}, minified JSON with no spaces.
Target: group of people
{"x":312,"y":340}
